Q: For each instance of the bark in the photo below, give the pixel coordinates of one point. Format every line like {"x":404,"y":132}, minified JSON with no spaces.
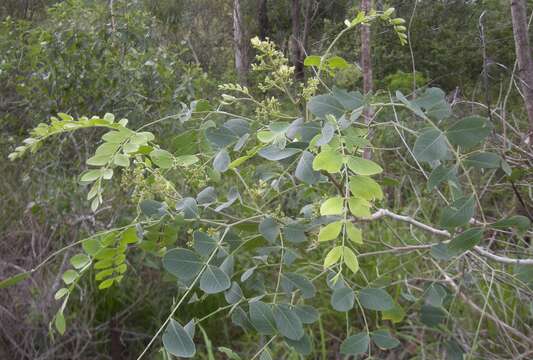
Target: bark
{"x":296,"y":41}
{"x":112,"y":13}
{"x":307,"y":26}
{"x":366,"y":65}
{"x":241,"y":47}
{"x":116,"y":347}
{"x":524,"y":59}
{"x":262,"y":17}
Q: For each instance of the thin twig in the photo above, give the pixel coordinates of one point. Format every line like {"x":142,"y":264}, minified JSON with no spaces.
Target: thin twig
{"x":445,"y":233}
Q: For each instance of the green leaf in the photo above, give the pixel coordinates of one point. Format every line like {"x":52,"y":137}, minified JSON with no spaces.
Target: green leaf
{"x":431,"y":146}
{"x":395,"y":314}
{"x":106,"y":283}
{"x":186,"y":160}
{"x":269,"y":228}
{"x":182,"y":263}
{"x":355,"y":344}
{"x":432,"y":316}
{"x":312,"y":60}
{"x":330,"y":231}
{"x":80,"y":260}
{"x":350,"y":101}
{"x":375,"y":299}
{"x":129,"y":236}
{"x":189,"y":207}
{"x":433,"y":101}
{"x":466,"y":241}
{"x":336,"y":62}
{"x":265,"y":355}
{"x":287,"y":322}
{"x":522,"y":223}
{"x":162,"y":158}
{"x":240,"y":318}
{"x":99,"y":160}
{"x":106,"y":253}
{"x":15,"y":279}
{"x":220,"y":137}
{"x":333,"y":256}
{"x":221,"y":161}
{"x":343,"y":299}
{"x":153,"y":209}
{"x":117,"y":137}
{"x":458,"y":213}
{"x":203,"y":243}
{"x":365,"y":187}
{"x":91,"y":175}
{"x":307,"y":314}
{"x":410,"y":105}
{"x":322,"y":105}
{"x":274,"y":153}
{"x":262,"y":318}
{"x":200,"y":105}
{"x":60,"y":293}
{"x":234,"y":294}
{"x":328,"y":131}
{"x":524,"y":273}
{"x":304,"y":170}
{"x":214,"y":280}
{"x":354,"y":233}
{"x":295,"y":233}
{"x":103,"y":274}
{"x":60,"y":323}
{"x":228,"y":265}
{"x":122,"y":160}
{"x":70,"y":276}
{"x":441,"y":174}
{"x":294,"y":280}
{"x":185,"y":143}
{"x":359,"y":207}
{"x":469,"y":131}
{"x":332,"y":206}
{"x":350,"y":259}
{"x":441,"y":252}
{"x":266,"y":136}
{"x":384,"y":340}
{"x":130,"y":148}
{"x":207,"y":196}
{"x":363,"y":167}
{"x":91,"y":246}
{"x":177,"y":340}
{"x":142,"y":138}
{"x":435,"y":295}
{"x":302,"y":346}
{"x":232,"y":355}
{"x":454,"y":350}
{"x":328,"y":160}
{"x":484,"y":160}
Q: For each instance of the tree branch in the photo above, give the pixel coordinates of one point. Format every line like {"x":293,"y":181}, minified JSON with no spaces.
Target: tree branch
{"x":478,"y":249}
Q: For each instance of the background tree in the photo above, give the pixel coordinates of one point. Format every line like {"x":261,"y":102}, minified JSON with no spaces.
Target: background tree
{"x":524,"y":59}
{"x":262,"y":19}
{"x":169,"y":67}
{"x":240,"y":43}
{"x":366,"y":65}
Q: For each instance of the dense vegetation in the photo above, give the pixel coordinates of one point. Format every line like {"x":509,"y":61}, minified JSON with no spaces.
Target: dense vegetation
{"x":233,"y":180}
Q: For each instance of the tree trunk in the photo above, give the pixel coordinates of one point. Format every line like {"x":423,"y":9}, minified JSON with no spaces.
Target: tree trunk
{"x":366,"y":65}
{"x":307,"y":27}
{"x":241,"y":53}
{"x":523,"y":56}
{"x":262,"y":17}
{"x":296,"y":41}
